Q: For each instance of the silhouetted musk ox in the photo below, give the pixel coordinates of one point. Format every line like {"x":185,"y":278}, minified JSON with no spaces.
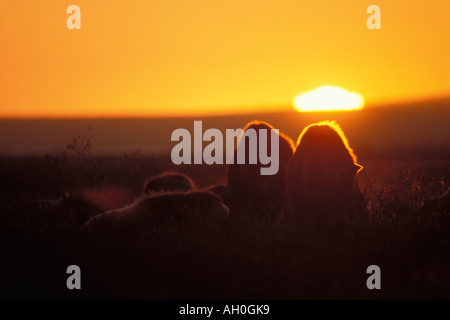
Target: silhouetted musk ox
{"x":168,"y":181}
{"x":249,"y":191}
{"x":321,"y":177}
{"x":164,"y":210}
{"x":121,"y":246}
{"x":58,"y":216}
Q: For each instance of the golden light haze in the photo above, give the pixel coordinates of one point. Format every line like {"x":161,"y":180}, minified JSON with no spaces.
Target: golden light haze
{"x":135,"y":58}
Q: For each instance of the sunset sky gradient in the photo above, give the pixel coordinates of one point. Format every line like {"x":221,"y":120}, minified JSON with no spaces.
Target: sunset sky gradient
{"x":169,"y":58}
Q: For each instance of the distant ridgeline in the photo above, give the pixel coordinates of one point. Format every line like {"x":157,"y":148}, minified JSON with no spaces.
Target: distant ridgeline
{"x":409,"y":127}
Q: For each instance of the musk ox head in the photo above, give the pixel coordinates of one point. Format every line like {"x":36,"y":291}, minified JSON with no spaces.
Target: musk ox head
{"x":168,"y":181}
{"x":248,"y":190}
{"x":321,"y":178}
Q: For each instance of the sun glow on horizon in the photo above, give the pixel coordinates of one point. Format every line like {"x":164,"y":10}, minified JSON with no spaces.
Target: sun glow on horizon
{"x":206,"y":58}
{"x":328,"y":98}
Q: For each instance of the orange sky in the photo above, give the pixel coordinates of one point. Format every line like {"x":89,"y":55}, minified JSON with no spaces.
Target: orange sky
{"x":167,"y":57}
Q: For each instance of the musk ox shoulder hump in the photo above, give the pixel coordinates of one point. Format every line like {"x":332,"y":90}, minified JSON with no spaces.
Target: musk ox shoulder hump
{"x":287,"y":146}
{"x":325,"y":141}
{"x":321,"y":178}
{"x":246,"y":188}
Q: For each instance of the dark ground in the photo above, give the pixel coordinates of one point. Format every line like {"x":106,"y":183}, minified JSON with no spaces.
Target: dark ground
{"x":248,"y":257}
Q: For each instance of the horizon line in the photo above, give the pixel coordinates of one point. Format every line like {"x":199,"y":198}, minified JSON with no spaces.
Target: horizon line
{"x":267,"y":109}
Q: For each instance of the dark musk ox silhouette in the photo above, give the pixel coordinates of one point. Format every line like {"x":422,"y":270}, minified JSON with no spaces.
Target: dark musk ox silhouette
{"x":58,"y":216}
{"x":66,"y":214}
{"x":168,"y":181}
{"x":250,"y":192}
{"x":321,"y":177}
{"x":121,"y":246}
{"x":163,"y":210}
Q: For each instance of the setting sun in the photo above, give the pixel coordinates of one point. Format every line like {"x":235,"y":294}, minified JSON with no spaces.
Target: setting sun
{"x":328,"y":98}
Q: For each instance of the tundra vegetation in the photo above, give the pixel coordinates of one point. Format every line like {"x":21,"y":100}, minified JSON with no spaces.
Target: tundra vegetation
{"x":45,"y":201}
